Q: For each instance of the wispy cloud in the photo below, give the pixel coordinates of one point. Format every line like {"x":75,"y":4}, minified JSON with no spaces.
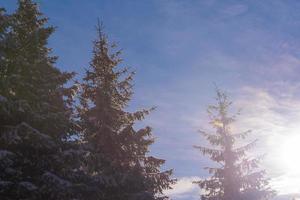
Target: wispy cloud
{"x":185,"y":189}
{"x":274,"y":120}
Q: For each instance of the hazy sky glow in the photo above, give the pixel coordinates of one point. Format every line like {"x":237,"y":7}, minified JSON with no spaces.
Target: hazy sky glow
{"x":179,"y":49}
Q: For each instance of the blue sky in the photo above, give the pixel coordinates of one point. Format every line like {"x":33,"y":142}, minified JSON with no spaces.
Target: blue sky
{"x":179,"y":49}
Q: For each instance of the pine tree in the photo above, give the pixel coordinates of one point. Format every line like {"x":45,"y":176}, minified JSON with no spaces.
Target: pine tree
{"x":36,"y":158}
{"x":118,"y":152}
{"x":4,"y":24}
{"x":238,"y":176}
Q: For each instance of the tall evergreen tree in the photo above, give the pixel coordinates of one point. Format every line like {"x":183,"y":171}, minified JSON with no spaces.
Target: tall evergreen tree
{"x":238,"y":177}
{"x":118,"y":152}
{"x":35,"y":111}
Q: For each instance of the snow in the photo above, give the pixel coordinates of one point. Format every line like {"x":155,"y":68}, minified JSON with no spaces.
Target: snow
{"x":3,"y":99}
{"x":54,"y":179}
{"x":5,"y":158}
{"x":5,"y":185}
{"x":28,"y":186}
{"x":5,"y":153}
{"x":38,"y":135}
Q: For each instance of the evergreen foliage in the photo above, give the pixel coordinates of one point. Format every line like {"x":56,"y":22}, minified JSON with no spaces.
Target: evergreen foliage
{"x":52,"y":148}
{"x":118,"y":152}
{"x":36,"y":159}
{"x":238,"y":176}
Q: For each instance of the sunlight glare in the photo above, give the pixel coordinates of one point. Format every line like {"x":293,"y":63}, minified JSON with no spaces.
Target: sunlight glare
{"x":289,"y":154}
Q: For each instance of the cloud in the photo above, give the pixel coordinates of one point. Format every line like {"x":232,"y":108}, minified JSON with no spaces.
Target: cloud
{"x":184,"y":189}
{"x":281,"y":66}
{"x":274,"y":119}
{"x":273,"y":115}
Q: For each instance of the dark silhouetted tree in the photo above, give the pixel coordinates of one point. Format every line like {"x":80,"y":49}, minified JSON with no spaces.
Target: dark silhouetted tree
{"x":118,"y":156}
{"x":36,"y":158}
{"x":236,"y":176}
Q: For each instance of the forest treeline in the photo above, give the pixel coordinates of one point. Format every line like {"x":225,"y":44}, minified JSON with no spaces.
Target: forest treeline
{"x":62,"y":139}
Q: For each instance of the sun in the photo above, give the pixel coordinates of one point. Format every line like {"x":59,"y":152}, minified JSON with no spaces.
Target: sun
{"x":289,"y":152}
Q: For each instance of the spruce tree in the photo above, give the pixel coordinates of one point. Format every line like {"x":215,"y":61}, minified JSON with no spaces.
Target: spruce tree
{"x":36,"y":158}
{"x":118,"y":152}
{"x":236,"y":175}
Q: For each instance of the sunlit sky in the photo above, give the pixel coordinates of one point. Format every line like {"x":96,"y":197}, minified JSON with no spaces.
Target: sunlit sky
{"x":179,"y":49}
